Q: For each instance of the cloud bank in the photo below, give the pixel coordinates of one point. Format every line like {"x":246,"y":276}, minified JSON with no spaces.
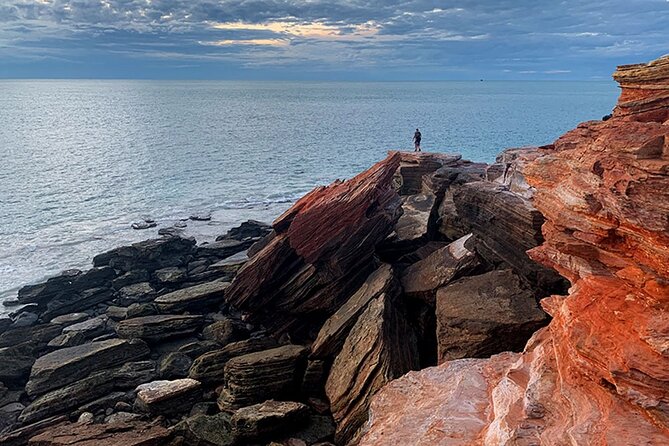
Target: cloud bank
{"x":318,"y":39}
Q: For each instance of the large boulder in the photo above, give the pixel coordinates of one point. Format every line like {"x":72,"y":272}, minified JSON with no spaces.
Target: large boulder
{"x":482,"y":315}
{"x":379,"y":348}
{"x":506,"y":226}
{"x":422,"y":279}
{"x":268,"y":374}
{"x":68,"y":365}
{"x":320,"y":253}
{"x":159,"y":327}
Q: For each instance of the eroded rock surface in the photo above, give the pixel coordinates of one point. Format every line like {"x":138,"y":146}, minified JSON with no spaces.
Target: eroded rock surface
{"x":599,"y":373}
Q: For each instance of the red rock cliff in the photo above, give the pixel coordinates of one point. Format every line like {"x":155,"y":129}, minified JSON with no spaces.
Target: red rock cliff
{"x":599,"y":373}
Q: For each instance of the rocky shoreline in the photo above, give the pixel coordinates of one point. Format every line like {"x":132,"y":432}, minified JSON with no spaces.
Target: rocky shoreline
{"x":284,"y":334}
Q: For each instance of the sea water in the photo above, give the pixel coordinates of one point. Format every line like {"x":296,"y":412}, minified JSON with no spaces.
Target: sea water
{"x":81,"y":160}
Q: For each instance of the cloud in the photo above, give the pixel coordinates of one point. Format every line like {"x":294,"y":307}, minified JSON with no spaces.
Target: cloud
{"x":372,"y":38}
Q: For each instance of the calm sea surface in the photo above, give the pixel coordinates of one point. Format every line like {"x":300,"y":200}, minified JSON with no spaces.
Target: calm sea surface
{"x":81,"y":160}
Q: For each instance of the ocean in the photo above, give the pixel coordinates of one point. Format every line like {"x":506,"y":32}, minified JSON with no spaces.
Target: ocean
{"x":83,"y":159}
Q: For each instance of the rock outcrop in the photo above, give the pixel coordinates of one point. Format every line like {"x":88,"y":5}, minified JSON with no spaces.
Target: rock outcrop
{"x":320,"y":252}
{"x":599,"y":373}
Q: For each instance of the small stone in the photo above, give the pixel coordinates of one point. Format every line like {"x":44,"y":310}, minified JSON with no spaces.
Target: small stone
{"x":171,"y":275}
{"x":145,"y":224}
{"x":201,"y":216}
{"x":85,"y":418}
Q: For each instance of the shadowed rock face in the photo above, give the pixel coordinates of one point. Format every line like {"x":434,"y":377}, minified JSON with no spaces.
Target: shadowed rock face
{"x":321,"y":251}
{"x":599,"y":373}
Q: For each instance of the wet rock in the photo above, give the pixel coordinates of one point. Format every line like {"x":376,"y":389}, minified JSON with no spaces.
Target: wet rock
{"x":332,"y":335}
{"x":168,"y":397}
{"x":379,"y":348}
{"x":68,"y":365}
{"x":422,"y":279}
{"x":5,"y":322}
{"x":134,"y":433}
{"x":170,"y":232}
{"x":232,"y":264}
{"x":40,"y":335}
{"x":210,"y":367}
{"x":129,"y":278}
{"x":66,"y":286}
{"x":139,"y":310}
{"x":69,"y":319}
{"x":226,"y":331}
{"x":83,"y":300}
{"x":89,"y":328}
{"x":201,"y":216}
{"x":144,"y":224}
{"x":194,"y":298}
{"x":15,"y":365}
{"x":254,"y":377}
{"x":170,"y":276}
{"x":204,"y":429}
{"x":221,"y":249}
{"x":137,"y":292}
{"x":117,"y":313}
{"x":268,"y":419}
{"x":320,"y":253}
{"x":175,"y":365}
{"x":482,"y":315}
{"x":250,"y":229}
{"x":159,"y":327}
{"x":69,"y":339}
{"x":317,"y":429}
{"x":25,"y":319}
{"x":148,"y":255}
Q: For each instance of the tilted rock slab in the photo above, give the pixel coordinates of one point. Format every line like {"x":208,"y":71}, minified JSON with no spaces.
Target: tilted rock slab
{"x":159,"y":327}
{"x":599,"y":373}
{"x":195,"y":298}
{"x":422,"y":279}
{"x":116,"y":434}
{"x":320,"y":253}
{"x":168,"y":397}
{"x":333,"y":334}
{"x":67,"y":365}
{"x":379,"y":348}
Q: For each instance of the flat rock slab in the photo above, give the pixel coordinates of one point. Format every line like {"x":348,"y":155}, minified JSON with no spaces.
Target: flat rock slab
{"x":168,"y":397}
{"x":69,"y":319}
{"x":67,"y":365}
{"x":423,"y":278}
{"x":195,"y":297}
{"x":333,"y":333}
{"x":482,"y":315}
{"x":271,"y":417}
{"x":210,"y":366}
{"x":116,"y":434}
{"x":158,"y":327}
{"x":252,"y":378}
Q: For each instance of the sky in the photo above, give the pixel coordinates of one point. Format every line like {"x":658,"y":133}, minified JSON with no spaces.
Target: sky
{"x":329,"y":40}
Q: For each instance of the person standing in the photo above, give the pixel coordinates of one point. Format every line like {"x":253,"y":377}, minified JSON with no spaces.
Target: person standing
{"x":416,"y":140}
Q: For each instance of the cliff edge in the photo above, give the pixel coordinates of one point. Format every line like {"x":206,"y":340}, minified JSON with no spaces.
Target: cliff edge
{"x":598,"y":374}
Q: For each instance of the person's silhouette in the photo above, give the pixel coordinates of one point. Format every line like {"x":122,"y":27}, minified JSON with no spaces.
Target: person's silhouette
{"x":416,"y":140}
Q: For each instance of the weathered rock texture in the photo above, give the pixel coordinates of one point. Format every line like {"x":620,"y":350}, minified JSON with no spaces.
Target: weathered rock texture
{"x":599,"y":373}
{"x":321,"y":251}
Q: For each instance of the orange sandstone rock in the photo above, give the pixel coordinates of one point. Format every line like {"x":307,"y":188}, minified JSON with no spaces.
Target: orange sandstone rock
{"x":599,"y":373}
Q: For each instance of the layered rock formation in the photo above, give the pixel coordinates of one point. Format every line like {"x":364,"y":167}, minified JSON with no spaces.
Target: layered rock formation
{"x":599,"y":373}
